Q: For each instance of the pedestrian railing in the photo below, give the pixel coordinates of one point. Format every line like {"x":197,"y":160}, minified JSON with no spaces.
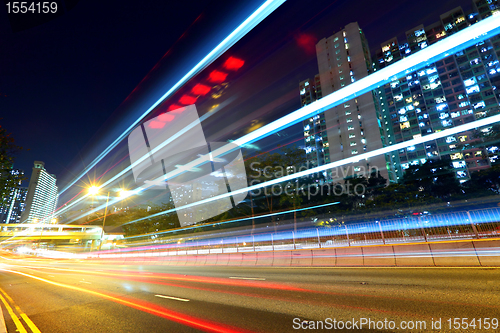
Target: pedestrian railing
{"x":483,"y":223}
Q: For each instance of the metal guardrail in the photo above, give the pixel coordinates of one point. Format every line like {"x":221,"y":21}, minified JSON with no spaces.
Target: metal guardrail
{"x":473,"y":224}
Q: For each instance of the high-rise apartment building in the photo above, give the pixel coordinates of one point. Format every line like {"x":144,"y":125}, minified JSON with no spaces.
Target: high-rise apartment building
{"x":13,"y":203}
{"x":42,"y":196}
{"x":454,"y":91}
{"x":459,"y":89}
{"x":316,"y":139}
{"x":354,"y":126}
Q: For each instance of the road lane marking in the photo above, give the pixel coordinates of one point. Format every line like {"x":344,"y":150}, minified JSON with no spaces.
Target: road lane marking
{"x":17,"y":322}
{"x":84,"y":282}
{"x":246,"y":278}
{"x":23,"y":315}
{"x":197,"y":323}
{"x":174,"y":298}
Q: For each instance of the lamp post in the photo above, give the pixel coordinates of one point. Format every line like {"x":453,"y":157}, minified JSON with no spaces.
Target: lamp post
{"x":104,"y":221}
{"x":93,"y":190}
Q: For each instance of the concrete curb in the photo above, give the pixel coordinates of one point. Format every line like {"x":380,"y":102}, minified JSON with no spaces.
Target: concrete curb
{"x":3,"y":327}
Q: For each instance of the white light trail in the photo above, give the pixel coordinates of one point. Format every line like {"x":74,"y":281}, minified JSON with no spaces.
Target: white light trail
{"x":253,"y":20}
{"x":385,"y":150}
{"x":474,"y":34}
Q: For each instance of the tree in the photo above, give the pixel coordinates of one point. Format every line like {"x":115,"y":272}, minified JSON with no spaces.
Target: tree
{"x":274,"y":166}
{"x":8,"y":179}
{"x":484,"y":181}
{"x":434,"y":178}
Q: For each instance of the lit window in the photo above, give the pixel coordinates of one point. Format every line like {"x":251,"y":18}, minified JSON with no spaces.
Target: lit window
{"x":479,"y":105}
{"x":405,"y":125}
{"x":472,"y":90}
{"x":451,"y":139}
{"x":458,"y":164}
{"x":441,"y":107}
{"x":347,"y":112}
{"x":354,"y":152}
{"x":353,"y":143}
{"x":456,"y":156}
{"x":352,"y":136}
{"x":447,"y":123}
{"x":470,"y":82}
{"x":350,"y":128}
{"x":349,"y":120}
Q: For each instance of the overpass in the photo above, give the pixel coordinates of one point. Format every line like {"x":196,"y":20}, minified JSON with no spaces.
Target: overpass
{"x":16,"y":233}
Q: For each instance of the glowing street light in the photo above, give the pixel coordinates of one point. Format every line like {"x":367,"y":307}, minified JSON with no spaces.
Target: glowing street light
{"x":124,"y":193}
{"x":93,"y":190}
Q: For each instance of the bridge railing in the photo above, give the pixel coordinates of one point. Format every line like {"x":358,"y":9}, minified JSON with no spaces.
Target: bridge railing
{"x":473,"y":224}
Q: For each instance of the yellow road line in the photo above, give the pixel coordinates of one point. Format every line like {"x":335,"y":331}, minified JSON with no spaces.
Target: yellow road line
{"x":16,"y":320}
{"x":28,"y":321}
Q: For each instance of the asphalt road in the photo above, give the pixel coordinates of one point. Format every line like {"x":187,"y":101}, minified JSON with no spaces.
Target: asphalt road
{"x":69,"y":296}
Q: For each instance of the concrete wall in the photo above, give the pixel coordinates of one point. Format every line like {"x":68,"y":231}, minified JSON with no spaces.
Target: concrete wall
{"x":440,"y":254}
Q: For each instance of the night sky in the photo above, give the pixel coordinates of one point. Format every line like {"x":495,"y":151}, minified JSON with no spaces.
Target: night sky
{"x":71,"y":86}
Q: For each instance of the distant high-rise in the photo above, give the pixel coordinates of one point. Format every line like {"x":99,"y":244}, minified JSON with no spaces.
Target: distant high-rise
{"x":13,"y":203}
{"x":42,"y":196}
{"x":315,"y":135}
{"x":354,"y":126}
{"x":459,"y":89}
{"x":456,"y":90}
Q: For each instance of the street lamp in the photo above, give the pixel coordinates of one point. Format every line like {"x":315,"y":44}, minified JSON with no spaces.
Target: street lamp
{"x":124,"y":193}
{"x":93,"y":190}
